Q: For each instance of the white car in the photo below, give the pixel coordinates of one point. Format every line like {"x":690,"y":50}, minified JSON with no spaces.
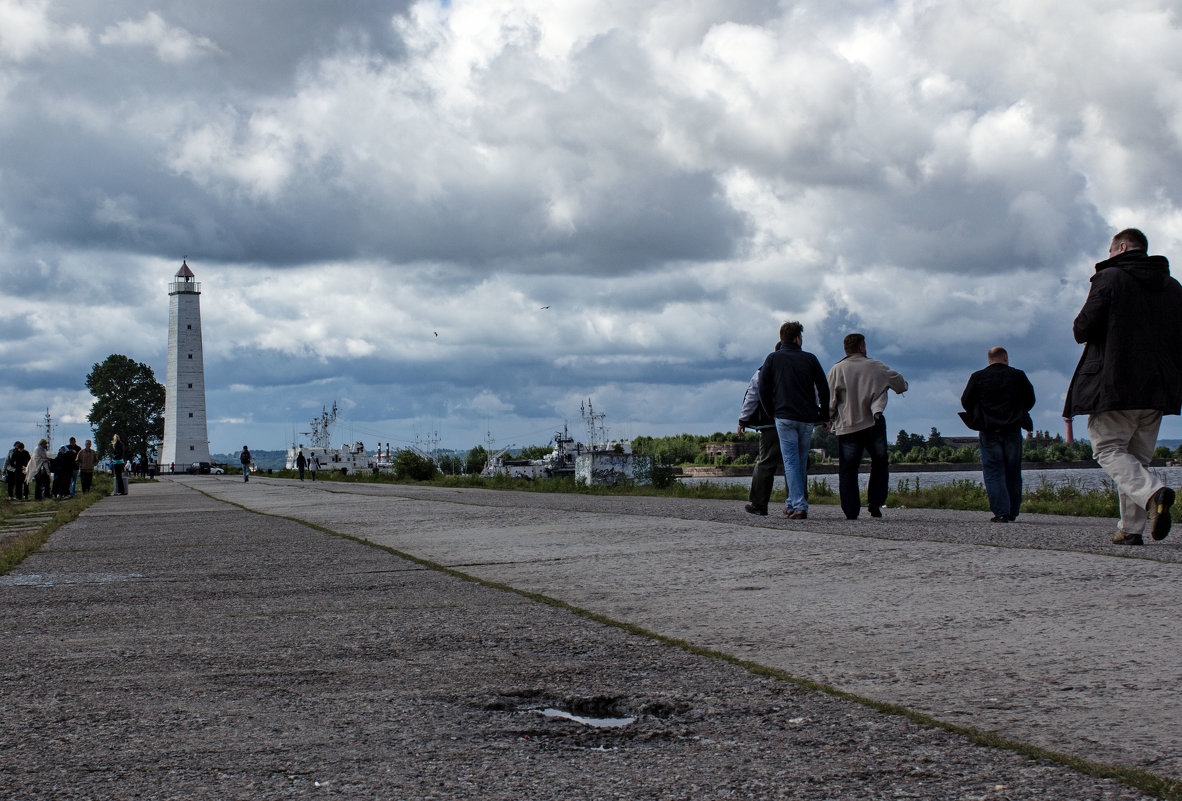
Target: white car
{"x":217,"y":471}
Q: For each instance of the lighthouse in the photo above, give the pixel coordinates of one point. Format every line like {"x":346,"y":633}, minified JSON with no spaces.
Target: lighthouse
{"x":186,"y":440}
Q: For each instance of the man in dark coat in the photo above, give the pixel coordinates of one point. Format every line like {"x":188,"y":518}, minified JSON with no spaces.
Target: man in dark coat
{"x":301,"y":463}
{"x":1130,"y":374}
{"x":794,"y":392}
{"x":997,"y":402}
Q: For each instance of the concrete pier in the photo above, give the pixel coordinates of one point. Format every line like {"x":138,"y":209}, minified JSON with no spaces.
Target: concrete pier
{"x":175,"y":643}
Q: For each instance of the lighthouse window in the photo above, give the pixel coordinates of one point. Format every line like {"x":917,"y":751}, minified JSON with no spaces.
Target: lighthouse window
{"x":192,"y":447}
{"x":189,"y":327}
{"x":190,"y":414}
{"x":190,"y":386}
{"x":190,"y":355}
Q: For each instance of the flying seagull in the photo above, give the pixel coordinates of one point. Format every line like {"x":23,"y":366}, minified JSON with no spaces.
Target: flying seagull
{"x":544,"y":307}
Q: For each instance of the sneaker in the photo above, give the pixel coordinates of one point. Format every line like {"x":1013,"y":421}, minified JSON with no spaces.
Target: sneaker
{"x":875,"y":511}
{"x":1159,"y":512}
{"x":1121,"y":538}
{"x":755,"y":510}
{"x":999,"y":519}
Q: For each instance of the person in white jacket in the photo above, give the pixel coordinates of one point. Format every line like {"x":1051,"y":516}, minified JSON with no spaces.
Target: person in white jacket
{"x":858,"y":399}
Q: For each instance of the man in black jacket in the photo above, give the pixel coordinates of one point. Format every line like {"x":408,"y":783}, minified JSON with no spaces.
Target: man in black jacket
{"x":794,"y":392}
{"x":997,"y":402}
{"x":1130,"y":374}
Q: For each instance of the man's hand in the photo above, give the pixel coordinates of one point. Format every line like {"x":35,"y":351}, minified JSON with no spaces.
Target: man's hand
{"x":740,"y":428}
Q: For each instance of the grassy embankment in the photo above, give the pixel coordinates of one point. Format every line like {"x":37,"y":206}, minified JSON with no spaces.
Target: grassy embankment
{"x":1043,"y":498}
{"x":15,"y":547}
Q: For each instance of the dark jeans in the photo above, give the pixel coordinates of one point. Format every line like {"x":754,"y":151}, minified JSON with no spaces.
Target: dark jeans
{"x":849,"y":456}
{"x":16,"y":480}
{"x":120,"y":481}
{"x":41,"y":486}
{"x":1001,"y":465}
{"x":85,"y":477}
{"x":764,"y":476}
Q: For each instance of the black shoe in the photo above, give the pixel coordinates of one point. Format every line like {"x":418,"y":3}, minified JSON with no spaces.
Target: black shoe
{"x":755,"y":510}
{"x":851,"y":517}
{"x":875,"y":511}
{"x":999,"y":519}
{"x":1159,"y":513}
{"x":1121,"y":538}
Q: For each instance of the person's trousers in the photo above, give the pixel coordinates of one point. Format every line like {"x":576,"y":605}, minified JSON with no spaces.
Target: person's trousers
{"x":795,"y":439}
{"x":301,"y":473}
{"x":41,"y":487}
{"x":1001,"y":467}
{"x":1123,"y":443}
{"x":85,"y":478}
{"x":851,"y":447}
{"x":120,"y":481}
{"x":764,"y":475}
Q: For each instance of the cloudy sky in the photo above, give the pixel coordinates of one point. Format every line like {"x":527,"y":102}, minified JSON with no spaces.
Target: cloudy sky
{"x":465,"y":217}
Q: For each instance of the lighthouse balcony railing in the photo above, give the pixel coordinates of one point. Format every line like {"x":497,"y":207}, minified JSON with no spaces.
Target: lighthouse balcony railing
{"x":177,"y":287}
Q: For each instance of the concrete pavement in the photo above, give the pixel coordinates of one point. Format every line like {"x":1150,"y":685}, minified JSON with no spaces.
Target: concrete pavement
{"x":168,"y":645}
{"x":1040,"y":630}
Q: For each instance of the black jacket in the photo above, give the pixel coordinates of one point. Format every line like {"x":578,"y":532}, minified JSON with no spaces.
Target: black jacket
{"x":792,"y":386}
{"x":1131,"y":325}
{"x":998,"y":399}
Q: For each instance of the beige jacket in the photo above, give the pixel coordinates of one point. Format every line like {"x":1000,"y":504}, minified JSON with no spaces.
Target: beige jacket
{"x":859,"y":391}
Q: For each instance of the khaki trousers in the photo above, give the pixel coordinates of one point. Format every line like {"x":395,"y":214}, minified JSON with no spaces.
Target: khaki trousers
{"x":1123,"y":443}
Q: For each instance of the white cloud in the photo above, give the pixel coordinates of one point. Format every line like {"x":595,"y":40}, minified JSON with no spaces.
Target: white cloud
{"x":27,"y":31}
{"x":172,"y":44}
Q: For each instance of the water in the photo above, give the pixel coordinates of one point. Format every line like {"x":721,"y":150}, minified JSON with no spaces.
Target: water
{"x":1085,"y":479}
{"x":599,"y":723}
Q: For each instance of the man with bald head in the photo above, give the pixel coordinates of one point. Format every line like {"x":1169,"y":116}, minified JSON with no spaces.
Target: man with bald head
{"x":1130,"y":374}
{"x":997,"y":402}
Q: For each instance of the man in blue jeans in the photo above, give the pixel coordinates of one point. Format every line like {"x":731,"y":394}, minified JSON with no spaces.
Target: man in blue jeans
{"x":997,"y":402}
{"x":793,"y":391}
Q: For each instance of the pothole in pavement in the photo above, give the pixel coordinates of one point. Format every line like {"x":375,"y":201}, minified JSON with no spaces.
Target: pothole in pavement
{"x":598,"y":721}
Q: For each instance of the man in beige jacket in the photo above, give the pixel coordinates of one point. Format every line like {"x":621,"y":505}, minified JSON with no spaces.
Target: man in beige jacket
{"x":859,"y":397}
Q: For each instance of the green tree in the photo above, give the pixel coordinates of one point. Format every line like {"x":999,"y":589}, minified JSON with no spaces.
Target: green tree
{"x":415,"y":466}
{"x":476,"y":459}
{"x":935,"y":439}
{"x":128,"y":401}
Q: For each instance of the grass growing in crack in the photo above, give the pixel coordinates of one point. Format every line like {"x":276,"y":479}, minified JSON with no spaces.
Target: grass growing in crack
{"x":14,"y":549}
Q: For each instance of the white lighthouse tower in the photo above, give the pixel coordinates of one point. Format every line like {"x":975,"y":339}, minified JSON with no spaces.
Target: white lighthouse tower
{"x":186,"y":440}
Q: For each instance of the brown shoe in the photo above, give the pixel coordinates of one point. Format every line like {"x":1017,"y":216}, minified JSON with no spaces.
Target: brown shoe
{"x":1159,"y":513}
{"x":797,"y":514}
{"x":1121,"y":538}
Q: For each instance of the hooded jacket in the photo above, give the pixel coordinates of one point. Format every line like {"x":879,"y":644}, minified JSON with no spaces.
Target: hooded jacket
{"x":1131,"y":328}
{"x":792,"y":386}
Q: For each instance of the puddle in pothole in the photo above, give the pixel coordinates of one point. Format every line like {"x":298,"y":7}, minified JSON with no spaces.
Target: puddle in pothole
{"x":599,"y":723}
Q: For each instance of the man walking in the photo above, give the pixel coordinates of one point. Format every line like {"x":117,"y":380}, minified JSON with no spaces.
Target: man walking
{"x":794,"y":393}
{"x":1130,"y":374}
{"x":997,"y":402}
{"x":752,"y":416}
{"x":87,"y":460}
{"x":301,"y":463}
{"x":859,"y":386}
{"x":245,"y":458}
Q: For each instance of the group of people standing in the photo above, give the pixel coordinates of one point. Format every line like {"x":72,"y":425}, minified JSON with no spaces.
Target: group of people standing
{"x":51,"y":475}
{"x":790,"y":394}
{"x":1129,"y":376}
